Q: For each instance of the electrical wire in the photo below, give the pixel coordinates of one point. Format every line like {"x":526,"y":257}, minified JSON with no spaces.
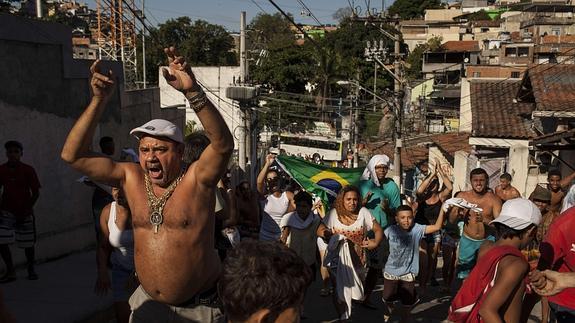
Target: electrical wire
{"x":261,"y":9}
{"x":310,"y":12}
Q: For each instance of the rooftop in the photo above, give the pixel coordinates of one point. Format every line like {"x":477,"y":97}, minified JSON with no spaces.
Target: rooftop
{"x":494,"y":112}
{"x":550,"y":86}
{"x":461,"y":46}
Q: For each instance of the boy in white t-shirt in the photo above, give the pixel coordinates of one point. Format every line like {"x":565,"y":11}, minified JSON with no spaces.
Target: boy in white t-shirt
{"x":299,"y":229}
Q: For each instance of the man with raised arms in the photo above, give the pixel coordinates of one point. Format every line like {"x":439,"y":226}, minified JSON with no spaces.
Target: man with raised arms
{"x":172,"y":209}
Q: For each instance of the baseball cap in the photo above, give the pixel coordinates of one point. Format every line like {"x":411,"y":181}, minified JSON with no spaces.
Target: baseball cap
{"x":541,"y":194}
{"x":160,"y":128}
{"x":518,"y":214}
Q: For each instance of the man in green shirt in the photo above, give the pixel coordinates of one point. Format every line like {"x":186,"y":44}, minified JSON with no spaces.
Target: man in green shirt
{"x":380,"y":195}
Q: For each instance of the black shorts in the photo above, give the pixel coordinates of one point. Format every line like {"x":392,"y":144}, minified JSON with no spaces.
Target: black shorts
{"x":404,"y":291}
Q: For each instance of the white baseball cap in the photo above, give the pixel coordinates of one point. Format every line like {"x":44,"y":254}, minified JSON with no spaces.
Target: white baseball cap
{"x":160,"y":128}
{"x":518,"y":214}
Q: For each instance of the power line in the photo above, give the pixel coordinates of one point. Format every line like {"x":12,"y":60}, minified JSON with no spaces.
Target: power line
{"x":261,"y":9}
{"x":290,"y":19}
{"x":311,"y":13}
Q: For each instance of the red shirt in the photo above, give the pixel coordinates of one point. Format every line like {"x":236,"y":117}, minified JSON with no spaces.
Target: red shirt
{"x":18,"y":182}
{"x":558,"y":249}
{"x":466,"y":304}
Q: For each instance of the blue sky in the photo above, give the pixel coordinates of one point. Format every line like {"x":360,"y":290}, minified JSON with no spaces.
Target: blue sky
{"x":227,"y":12}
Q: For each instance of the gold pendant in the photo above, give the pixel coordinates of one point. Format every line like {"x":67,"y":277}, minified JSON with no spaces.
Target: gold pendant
{"x":156,"y":219}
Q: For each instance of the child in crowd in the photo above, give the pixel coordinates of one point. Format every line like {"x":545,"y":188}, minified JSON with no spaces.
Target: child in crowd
{"x":494,"y":290}
{"x":263,"y":281}
{"x":403,"y":263}
{"x":299,"y":229}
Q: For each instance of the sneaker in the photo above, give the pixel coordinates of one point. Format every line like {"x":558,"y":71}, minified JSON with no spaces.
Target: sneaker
{"x":8,"y":277}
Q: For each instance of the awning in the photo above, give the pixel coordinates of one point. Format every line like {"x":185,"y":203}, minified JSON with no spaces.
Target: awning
{"x":560,"y":140}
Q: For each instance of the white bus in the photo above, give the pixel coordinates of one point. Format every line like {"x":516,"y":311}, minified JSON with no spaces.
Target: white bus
{"x":330,"y":149}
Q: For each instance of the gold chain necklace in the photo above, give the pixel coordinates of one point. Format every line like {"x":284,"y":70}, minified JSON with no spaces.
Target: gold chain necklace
{"x":156,"y":204}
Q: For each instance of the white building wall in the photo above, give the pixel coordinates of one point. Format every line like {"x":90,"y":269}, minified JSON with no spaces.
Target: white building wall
{"x":215,"y":80}
{"x":465,"y":121}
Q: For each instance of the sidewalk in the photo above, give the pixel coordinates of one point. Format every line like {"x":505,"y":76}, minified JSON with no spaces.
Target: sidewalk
{"x":64,"y":293}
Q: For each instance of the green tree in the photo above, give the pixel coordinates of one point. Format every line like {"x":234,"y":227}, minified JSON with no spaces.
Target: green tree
{"x":270,"y":32}
{"x":202,"y":43}
{"x":408,"y":9}
{"x":342,"y":14}
{"x":479,"y":15}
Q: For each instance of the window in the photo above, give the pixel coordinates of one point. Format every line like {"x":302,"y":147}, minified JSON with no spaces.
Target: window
{"x":556,"y":31}
{"x":515,"y":75}
{"x":484,"y":29}
{"x":523,"y":51}
{"x":511,"y":52}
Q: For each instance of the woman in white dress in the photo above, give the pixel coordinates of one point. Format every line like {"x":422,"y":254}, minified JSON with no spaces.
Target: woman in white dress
{"x":345,"y":229}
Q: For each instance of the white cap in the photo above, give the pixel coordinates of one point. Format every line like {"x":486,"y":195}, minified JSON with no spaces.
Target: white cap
{"x":160,"y":128}
{"x":518,"y":214}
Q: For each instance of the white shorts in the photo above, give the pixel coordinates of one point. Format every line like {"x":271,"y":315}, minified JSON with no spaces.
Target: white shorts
{"x":321,"y":245}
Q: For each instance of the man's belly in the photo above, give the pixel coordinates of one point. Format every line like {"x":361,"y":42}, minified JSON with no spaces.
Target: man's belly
{"x":177,"y":272}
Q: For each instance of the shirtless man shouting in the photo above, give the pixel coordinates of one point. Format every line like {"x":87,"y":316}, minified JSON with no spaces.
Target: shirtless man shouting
{"x":479,"y":195}
{"x":172,"y":210}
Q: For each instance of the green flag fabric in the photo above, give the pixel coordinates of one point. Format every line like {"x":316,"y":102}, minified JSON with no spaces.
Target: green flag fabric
{"x":323,"y":181}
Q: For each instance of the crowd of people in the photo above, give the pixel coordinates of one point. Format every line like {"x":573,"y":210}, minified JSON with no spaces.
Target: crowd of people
{"x":178,"y":243}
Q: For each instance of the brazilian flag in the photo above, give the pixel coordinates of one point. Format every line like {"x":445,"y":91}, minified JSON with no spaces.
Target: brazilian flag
{"x":323,"y":181}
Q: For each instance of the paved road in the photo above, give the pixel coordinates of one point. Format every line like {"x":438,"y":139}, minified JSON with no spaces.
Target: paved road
{"x":432,"y":308}
{"x":65,"y":294}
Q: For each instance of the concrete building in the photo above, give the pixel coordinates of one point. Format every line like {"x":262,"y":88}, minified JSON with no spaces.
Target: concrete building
{"x":46,"y":92}
{"x":437,"y":23}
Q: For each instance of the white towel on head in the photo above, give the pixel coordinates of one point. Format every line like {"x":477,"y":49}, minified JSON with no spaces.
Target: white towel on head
{"x":369,"y":171}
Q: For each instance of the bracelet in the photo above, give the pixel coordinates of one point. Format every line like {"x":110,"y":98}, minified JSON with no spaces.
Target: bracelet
{"x":198,"y":101}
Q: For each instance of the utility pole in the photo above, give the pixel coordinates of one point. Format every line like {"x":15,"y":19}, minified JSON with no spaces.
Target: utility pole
{"x":397,"y":75}
{"x":38,"y":8}
{"x":243,"y":58}
{"x":355,"y":127}
{"x":397,"y":89}
{"x":242,"y":113}
{"x":374,"y":54}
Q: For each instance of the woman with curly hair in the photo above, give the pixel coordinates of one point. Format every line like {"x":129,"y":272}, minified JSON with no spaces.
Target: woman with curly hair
{"x":345,"y":229}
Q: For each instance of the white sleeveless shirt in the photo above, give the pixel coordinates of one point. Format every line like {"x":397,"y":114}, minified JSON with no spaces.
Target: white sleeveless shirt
{"x":274,"y":209}
{"x":122,"y":241}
